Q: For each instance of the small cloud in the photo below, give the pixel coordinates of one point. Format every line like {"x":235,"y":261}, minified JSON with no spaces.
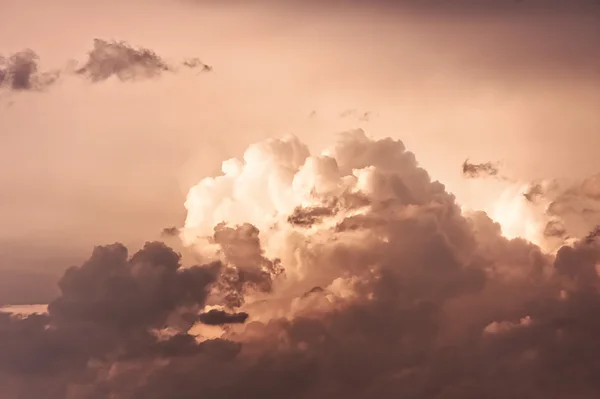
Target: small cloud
{"x":306,"y":217}
{"x":360,"y":116}
{"x":119,"y":59}
{"x":170,"y":232}
{"x":216,"y":317}
{"x":21,"y":72}
{"x":126,"y":62}
{"x":496,"y":327}
{"x":591,"y":237}
{"x":195,"y":63}
{"x":480,"y":170}
{"x":534,"y":192}
{"x":555,"y":228}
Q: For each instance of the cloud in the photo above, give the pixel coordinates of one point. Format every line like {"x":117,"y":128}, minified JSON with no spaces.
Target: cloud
{"x":107,"y":310}
{"x":480,"y":170}
{"x":125,"y":62}
{"x":193,"y":63}
{"x":567,"y":209}
{"x":21,"y":72}
{"x":170,"y":231}
{"x":534,"y":192}
{"x":119,"y":59}
{"x":248,"y":268}
{"x":351,"y":114}
{"x":397,"y":295}
{"x":219,"y":317}
{"x":311,"y":215}
{"x":358,"y":115}
{"x":570,"y":208}
{"x":128,"y":293}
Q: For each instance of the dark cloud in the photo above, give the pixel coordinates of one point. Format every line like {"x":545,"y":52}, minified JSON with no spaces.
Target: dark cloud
{"x":555,"y":228}
{"x":216,"y":317}
{"x":125,"y":62}
{"x":534,"y":192}
{"x":128,"y":293}
{"x":119,"y":59}
{"x":247,"y":268}
{"x":107,"y":310}
{"x":308,"y":216}
{"x":194,"y":63}
{"x":314,"y":290}
{"x":170,"y":231}
{"x":591,"y":237}
{"x":480,"y":170}
{"x":416,"y":300}
{"x":21,"y":72}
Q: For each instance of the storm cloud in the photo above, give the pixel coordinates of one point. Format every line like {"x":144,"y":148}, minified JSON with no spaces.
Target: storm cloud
{"x":407,"y":296}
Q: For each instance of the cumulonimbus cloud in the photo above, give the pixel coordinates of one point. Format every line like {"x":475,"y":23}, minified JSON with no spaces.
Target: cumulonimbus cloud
{"x":309,"y":293}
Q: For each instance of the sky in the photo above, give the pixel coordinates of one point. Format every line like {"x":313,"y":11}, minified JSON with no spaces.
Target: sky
{"x":340,"y":250}
{"x":86,"y":163}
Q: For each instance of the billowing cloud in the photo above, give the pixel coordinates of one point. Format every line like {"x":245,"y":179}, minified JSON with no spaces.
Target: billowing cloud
{"x":347,"y":273}
{"x":570,"y":209}
{"x":565,"y":209}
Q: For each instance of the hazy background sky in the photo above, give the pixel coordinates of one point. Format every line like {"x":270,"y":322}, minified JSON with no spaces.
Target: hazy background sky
{"x":86,"y":164}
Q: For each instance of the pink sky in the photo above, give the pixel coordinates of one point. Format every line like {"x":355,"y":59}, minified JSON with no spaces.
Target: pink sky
{"x":84,"y":164}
